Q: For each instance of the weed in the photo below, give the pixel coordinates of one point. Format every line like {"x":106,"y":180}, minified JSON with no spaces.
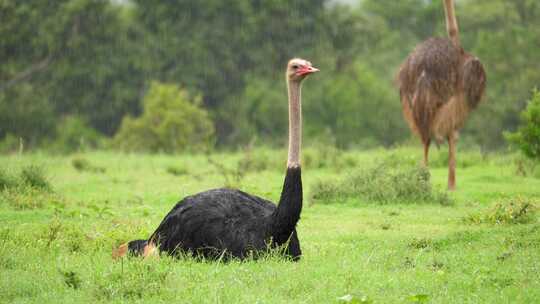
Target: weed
{"x":53,"y":231}
{"x":397,"y":158}
{"x":233,"y":177}
{"x":71,"y":279}
{"x":74,"y":239}
{"x":101,"y":210}
{"x":177,"y":171}
{"x":29,"y":190}
{"x":418,"y":298}
{"x":421,"y":243}
{"x":6,"y":180}
{"x":382,"y":184}
{"x":436,"y":265}
{"x":503,"y":257}
{"x":517,"y":210}
{"x":256,"y":160}
{"x":134,"y":280}
{"x":34,"y":176}
{"x":386,"y":226}
{"x":409,"y":263}
{"x":83,"y":165}
{"x":327,"y":156}
{"x":5,"y":235}
{"x":25,"y":198}
{"x":327,"y":191}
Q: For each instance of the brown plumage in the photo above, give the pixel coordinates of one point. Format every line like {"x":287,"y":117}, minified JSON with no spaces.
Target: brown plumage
{"x":439,"y":85}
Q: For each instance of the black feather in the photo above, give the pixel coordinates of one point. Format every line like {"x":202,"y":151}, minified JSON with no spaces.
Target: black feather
{"x":136,"y":247}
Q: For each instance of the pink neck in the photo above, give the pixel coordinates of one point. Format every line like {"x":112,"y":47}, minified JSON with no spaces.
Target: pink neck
{"x":295,"y":124}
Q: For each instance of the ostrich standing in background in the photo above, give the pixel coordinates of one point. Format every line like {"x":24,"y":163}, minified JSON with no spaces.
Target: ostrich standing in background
{"x":440,"y":84}
{"x":230,"y":223}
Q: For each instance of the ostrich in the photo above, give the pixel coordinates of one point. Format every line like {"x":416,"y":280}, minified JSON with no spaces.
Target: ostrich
{"x":231,"y":223}
{"x":440,"y":84}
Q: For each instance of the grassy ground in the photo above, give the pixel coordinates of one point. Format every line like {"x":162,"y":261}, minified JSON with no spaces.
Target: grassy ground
{"x":55,"y":246}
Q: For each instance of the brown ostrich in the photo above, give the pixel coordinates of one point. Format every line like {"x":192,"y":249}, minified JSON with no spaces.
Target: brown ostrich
{"x":439,"y":85}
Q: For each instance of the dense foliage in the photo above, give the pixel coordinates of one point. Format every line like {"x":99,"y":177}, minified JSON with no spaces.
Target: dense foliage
{"x":95,"y":59}
{"x":171,"y":122}
{"x":527,"y":137}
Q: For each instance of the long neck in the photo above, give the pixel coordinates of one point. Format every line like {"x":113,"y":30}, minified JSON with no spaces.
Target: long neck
{"x":451,"y":22}
{"x":287,"y":214}
{"x":295,"y":124}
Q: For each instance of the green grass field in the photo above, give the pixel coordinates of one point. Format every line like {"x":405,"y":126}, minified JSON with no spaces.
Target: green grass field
{"x":55,"y":247}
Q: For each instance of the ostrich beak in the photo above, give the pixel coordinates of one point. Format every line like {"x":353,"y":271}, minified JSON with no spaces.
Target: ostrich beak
{"x":120,"y":251}
{"x":305,"y":70}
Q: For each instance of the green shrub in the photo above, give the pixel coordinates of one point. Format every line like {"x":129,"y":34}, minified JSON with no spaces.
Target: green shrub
{"x":25,"y":198}
{"x":260,"y":159}
{"x":34,"y":177}
{"x":382,"y":184}
{"x":517,"y":210}
{"x":134,"y":279}
{"x":83,"y":165}
{"x":171,"y":121}
{"x":177,"y":170}
{"x":74,"y":134}
{"x":6,"y":180}
{"x":30,"y":189}
{"x":527,"y":137}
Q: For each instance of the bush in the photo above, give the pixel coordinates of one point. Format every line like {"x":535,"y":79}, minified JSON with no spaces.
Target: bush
{"x":177,"y":170}
{"x":382,"y":184}
{"x":30,"y":189}
{"x":34,"y":177}
{"x":74,"y":134}
{"x":6,"y":180}
{"x":257,"y":159}
{"x":83,"y":165}
{"x":26,"y":198}
{"x":133,"y":280}
{"x":527,"y":137}
{"x":517,"y":210}
{"x":172,"y":121}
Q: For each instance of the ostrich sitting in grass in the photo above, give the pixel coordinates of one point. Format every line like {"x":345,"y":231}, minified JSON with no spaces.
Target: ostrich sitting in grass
{"x":440,"y":84}
{"x":231,"y":223}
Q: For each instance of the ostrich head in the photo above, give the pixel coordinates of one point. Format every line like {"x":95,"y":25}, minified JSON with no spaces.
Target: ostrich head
{"x":298,"y":69}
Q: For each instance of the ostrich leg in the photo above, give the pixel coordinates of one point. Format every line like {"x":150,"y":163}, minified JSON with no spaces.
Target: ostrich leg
{"x":426,"y":152}
{"x":452,"y":162}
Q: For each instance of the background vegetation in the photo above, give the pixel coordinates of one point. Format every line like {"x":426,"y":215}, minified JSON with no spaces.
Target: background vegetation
{"x":199,"y":78}
{"x":81,"y":66}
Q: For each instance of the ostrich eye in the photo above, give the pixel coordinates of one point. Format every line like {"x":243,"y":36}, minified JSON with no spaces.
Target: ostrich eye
{"x":295,"y":66}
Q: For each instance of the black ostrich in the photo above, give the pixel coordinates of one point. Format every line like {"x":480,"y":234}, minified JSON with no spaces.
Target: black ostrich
{"x":230,"y":223}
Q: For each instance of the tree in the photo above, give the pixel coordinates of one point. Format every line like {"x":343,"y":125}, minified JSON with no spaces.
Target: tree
{"x":171,"y":121}
{"x":75,"y":56}
{"x":527,"y":137}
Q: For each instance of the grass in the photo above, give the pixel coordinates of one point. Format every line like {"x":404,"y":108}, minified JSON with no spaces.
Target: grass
{"x":355,"y":251}
{"x":517,"y":210}
{"x":383,"y":183}
{"x":82,"y":164}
